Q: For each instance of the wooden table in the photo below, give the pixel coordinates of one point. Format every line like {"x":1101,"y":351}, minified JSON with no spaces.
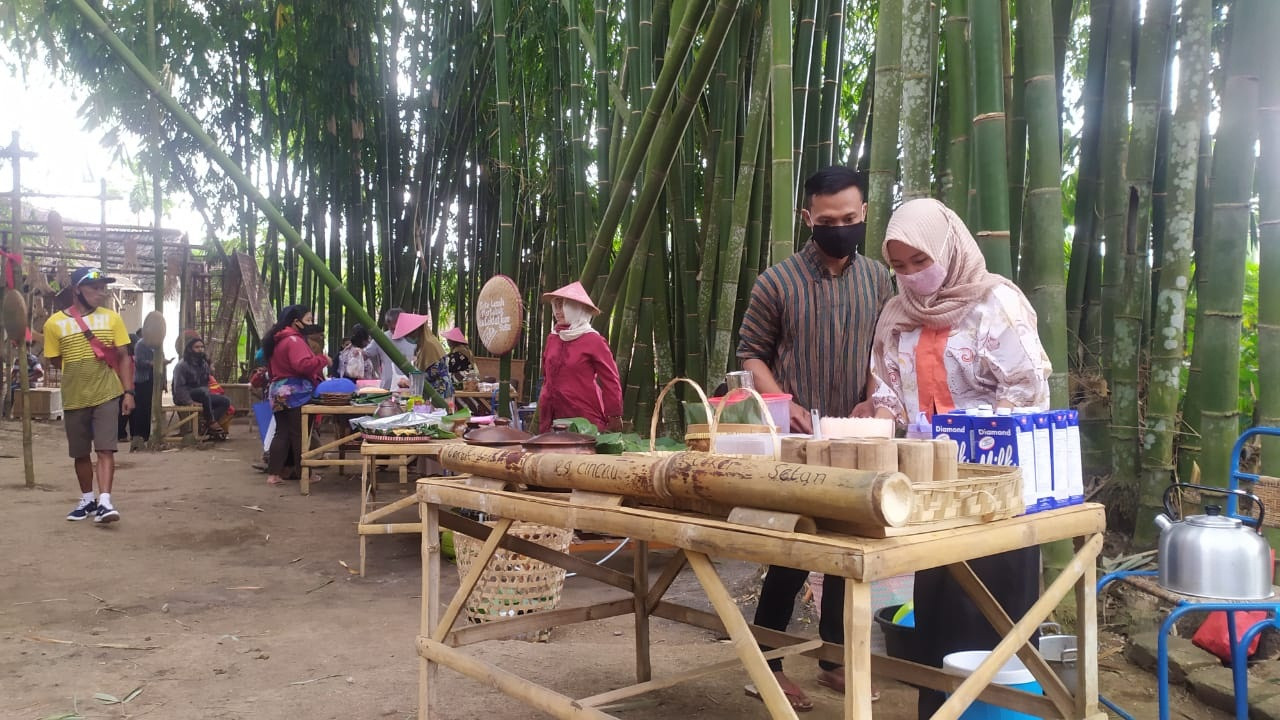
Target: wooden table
{"x":699,"y":537}
{"x":479,"y":402}
{"x":315,"y":457}
{"x":390,"y":456}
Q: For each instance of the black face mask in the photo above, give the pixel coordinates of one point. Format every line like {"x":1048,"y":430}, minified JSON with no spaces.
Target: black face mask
{"x":840,"y":241}
{"x":80,"y":297}
{"x":310,"y":329}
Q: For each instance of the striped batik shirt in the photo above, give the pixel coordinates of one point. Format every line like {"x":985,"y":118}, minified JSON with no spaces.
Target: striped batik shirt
{"x":814,"y":329}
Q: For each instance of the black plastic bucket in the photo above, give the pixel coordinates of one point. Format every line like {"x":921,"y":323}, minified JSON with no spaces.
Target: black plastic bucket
{"x":899,"y":640}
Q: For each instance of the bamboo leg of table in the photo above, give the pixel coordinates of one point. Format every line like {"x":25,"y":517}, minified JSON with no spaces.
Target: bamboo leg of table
{"x":1022,"y":631}
{"x":744,"y":643}
{"x":430,"y":603}
{"x":478,"y":567}
{"x":304,"y":485}
{"x":986,"y":603}
{"x":857,"y":650}
{"x":660,"y":586}
{"x":1087,"y":633}
{"x":370,"y":467}
{"x":640,"y":564}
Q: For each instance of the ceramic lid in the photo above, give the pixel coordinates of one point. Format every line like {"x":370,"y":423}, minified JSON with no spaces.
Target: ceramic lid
{"x":498,"y":434}
{"x":559,"y":438}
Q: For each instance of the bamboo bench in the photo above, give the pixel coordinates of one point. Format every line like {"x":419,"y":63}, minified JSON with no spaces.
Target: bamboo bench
{"x":181,"y":422}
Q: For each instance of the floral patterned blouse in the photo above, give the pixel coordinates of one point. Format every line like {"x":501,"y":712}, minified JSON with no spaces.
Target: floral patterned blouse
{"x":993,"y":355}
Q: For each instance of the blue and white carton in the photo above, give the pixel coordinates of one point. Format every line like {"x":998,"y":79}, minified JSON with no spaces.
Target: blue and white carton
{"x":1008,"y":439}
{"x":1042,"y":437}
{"x":954,"y":425}
{"x":1068,"y":475}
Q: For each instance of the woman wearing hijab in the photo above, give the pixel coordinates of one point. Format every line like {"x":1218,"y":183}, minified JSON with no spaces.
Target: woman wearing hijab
{"x":955,"y":336}
{"x":579,"y":377}
{"x":294,"y":369}
{"x":430,"y":357}
{"x":461,"y":359}
{"x":191,"y":380}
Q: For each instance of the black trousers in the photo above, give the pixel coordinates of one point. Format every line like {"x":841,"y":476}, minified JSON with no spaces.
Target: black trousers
{"x":778,"y":601}
{"x":140,"y":418}
{"x":215,"y":406}
{"x":286,"y":444}
{"x":947,"y":621}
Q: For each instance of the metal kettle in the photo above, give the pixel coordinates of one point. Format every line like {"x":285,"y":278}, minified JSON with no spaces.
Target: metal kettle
{"x":1214,"y":555}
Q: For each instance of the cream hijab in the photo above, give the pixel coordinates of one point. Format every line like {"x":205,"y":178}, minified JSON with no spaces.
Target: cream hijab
{"x":578,"y":317}
{"x":932,"y":228}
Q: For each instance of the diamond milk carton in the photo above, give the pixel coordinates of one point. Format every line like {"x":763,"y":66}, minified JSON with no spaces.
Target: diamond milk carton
{"x":954,"y":425}
{"x":1068,"y":474}
{"x":1008,"y":439}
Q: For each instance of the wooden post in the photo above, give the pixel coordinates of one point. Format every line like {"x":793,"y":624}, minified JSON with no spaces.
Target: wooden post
{"x":744,"y":643}
{"x":15,"y":155}
{"x":430,"y":603}
{"x":304,"y":483}
{"x":1086,"y":688}
{"x":857,"y":650}
{"x":640,"y":571}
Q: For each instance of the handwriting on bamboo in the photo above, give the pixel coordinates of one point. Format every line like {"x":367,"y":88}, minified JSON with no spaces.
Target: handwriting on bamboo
{"x":798,"y":474}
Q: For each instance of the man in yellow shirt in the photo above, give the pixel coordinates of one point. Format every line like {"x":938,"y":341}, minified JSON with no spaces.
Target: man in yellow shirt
{"x":91,"y":346}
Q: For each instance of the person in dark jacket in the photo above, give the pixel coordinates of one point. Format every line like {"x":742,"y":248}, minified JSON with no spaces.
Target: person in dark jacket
{"x":191,"y":386}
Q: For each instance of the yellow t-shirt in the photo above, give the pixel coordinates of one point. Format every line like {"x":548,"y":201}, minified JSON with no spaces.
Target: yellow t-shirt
{"x":86,"y":380}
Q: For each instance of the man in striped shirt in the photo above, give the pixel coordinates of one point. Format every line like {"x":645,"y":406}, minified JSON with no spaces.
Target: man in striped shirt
{"x":807,"y":331}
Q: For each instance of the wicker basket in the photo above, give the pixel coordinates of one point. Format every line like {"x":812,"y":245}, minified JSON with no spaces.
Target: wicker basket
{"x":514,"y":584}
{"x":988,"y":492}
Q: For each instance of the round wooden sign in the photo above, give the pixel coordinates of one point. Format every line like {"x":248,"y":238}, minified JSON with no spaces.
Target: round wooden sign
{"x":153,"y":329}
{"x":499,"y":313}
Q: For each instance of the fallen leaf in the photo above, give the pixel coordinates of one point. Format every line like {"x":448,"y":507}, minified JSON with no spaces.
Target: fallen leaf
{"x":252,"y":507}
{"x":350,"y":569}
{"x":108,"y":699}
{"x":246,"y":587}
{"x":295,"y":560}
{"x":37,"y":638}
{"x":313,"y":680}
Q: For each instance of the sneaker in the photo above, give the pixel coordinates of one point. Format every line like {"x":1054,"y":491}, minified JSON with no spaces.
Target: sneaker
{"x":106,"y":514}
{"x":83,"y":510}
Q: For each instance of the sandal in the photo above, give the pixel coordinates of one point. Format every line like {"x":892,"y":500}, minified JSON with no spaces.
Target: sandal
{"x":825,"y":679}
{"x":798,"y":701}
{"x":273,"y":481}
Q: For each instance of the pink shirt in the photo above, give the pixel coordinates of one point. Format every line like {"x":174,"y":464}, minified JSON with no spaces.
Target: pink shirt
{"x":579,"y":379}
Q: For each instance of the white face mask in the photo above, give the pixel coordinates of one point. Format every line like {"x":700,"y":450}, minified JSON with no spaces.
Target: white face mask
{"x":924,"y":282}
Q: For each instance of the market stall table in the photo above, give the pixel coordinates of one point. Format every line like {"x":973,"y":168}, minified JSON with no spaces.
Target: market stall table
{"x":389,"y":456}
{"x":700,"y":537}
{"x":315,"y":457}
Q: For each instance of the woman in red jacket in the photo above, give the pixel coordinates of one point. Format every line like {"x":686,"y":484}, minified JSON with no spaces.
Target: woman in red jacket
{"x":579,"y":377}
{"x":295,"y":369}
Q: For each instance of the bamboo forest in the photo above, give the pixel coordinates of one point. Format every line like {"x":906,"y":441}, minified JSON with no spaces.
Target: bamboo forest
{"x":1117,"y":159}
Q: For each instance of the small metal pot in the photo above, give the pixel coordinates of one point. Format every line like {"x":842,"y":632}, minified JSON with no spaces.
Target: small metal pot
{"x":387,"y":408}
{"x":1214,"y":555}
{"x":498,"y":435}
{"x":560,"y":440}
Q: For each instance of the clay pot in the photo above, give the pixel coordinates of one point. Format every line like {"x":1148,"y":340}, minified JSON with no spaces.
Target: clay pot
{"x":499,"y":434}
{"x":560,"y":440}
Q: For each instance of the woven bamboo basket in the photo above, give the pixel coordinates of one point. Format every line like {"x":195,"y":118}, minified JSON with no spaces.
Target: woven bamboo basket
{"x":988,"y":492}
{"x":513,"y":584}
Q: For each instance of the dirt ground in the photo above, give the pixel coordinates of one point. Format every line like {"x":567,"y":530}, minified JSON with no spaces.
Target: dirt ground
{"x":217,"y":596}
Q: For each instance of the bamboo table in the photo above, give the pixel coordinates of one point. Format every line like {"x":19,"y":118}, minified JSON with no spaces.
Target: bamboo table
{"x":699,"y":537}
{"x":314,"y":457}
{"x":397,"y":456}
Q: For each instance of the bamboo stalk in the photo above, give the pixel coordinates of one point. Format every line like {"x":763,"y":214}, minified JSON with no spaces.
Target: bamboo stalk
{"x":781,"y":130}
{"x":884,"y":123}
{"x":917,"y":97}
{"x":989,"y":137}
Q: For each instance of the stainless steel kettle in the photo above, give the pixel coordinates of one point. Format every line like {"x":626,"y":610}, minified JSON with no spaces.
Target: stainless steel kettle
{"x":1213,"y":555}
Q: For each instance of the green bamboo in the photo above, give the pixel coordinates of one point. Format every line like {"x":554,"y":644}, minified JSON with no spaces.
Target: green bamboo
{"x":1131,"y":254}
{"x":782,"y":132}
{"x":1042,"y":277}
{"x":1268,"y":405}
{"x":1190,"y":444}
{"x":624,"y":181}
{"x":803,"y":62}
{"x":724,"y":331}
{"x":1017,"y":142}
{"x":246,"y":186}
{"x":831,"y":84}
{"x":810,"y":131}
{"x":1227,"y":244}
{"x":989,"y":137}
{"x":959,"y":106}
{"x":1115,"y":191}
{"x":917,"y":97}
{"x":667,"y":145}
{"x":885,"y":117}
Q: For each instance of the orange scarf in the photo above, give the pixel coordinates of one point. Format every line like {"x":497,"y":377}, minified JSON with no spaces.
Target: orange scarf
{"x":931,"y":372}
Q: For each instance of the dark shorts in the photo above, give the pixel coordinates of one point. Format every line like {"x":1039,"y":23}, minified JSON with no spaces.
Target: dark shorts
{"x":92,"y":428}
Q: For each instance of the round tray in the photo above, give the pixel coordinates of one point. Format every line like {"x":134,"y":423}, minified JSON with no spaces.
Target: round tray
{"x":397,"y":439}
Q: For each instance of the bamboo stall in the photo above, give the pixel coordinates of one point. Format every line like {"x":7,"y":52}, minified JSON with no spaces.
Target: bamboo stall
{"x":756,"y":514}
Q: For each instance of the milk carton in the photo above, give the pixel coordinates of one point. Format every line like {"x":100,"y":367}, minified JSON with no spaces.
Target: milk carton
{"x":954,"y":425}
{"x":1067,"y":470}
{"x":1007,"y":439}
{"x":1042,"y":439}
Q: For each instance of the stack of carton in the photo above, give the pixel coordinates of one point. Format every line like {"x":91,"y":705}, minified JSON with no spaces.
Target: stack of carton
{"x":1045,"y":445}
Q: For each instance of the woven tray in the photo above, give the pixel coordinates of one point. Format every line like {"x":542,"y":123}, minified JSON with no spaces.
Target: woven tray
{"x":397,"y":438}
{"x":514,"y":584}
{"x":982,"y":492}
